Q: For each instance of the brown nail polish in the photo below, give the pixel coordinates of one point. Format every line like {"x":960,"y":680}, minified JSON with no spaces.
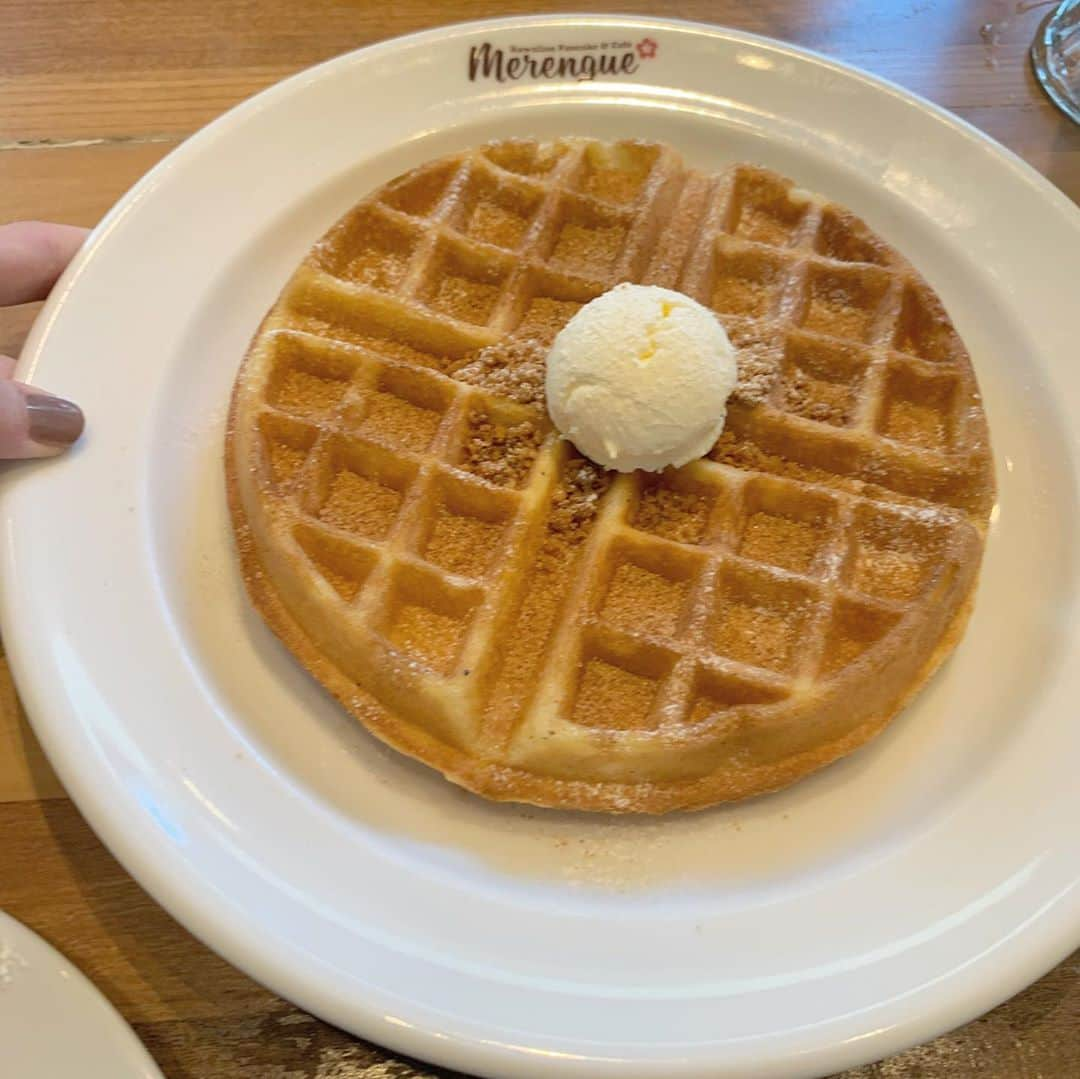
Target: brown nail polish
{"x":53,"y":421}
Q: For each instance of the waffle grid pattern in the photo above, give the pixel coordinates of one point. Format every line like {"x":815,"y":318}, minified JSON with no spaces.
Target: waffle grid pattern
{"x":428,"y":493}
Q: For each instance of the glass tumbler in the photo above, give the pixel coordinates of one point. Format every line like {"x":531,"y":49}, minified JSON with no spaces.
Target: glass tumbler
{"x":1055,"y":56}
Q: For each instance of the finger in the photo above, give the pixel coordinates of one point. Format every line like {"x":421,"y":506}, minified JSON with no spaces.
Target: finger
{"x":34,"y":423}
{"x":33,"y":255}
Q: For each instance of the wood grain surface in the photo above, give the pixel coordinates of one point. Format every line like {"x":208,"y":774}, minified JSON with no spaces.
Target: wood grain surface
{"x":92,"y":95}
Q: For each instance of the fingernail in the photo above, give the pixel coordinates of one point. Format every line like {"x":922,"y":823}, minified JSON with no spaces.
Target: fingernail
{"x":53,"y":421}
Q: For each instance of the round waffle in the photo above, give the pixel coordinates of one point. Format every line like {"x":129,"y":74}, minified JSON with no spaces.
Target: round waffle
{"x":486,"y":600}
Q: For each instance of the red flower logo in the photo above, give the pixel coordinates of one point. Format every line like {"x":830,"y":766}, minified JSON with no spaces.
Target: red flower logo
{"x":646,"y":48}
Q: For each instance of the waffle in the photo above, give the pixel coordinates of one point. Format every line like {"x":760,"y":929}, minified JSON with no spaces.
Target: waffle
{"x":486,"y":600}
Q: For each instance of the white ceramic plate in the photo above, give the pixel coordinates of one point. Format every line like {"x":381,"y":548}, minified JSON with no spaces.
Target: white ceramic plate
{"x":897,"y":894}
{"x":53,"y":1022}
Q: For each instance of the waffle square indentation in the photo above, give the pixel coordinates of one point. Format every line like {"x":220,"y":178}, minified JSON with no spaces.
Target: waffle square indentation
{"x":759,"y":618}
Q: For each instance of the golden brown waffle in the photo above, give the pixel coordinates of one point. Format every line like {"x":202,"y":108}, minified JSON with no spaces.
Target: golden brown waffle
{"x":484,"y":599}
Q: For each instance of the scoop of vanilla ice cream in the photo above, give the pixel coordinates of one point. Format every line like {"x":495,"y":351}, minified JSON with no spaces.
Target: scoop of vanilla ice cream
{"x":640,"y":377}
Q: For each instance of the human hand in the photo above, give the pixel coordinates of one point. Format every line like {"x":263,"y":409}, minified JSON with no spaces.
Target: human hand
{"x":33,"y":423}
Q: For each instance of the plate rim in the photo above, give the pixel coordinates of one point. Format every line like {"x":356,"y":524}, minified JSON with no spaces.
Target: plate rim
{"x":204,"y":920}
{"x":118,"y":1032}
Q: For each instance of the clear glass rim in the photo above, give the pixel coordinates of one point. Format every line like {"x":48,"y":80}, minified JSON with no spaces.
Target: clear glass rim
{"x":1046,"y":71}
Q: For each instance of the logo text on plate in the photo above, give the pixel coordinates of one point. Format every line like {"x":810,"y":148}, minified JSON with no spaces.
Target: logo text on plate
{"x":581,"y":61}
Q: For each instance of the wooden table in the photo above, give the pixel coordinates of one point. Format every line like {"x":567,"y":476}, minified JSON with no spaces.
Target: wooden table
{"x":92,"y":95}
